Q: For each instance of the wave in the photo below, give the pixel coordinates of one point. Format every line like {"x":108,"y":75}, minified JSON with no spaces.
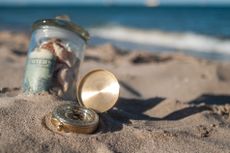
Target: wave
{"x":178,"y":41}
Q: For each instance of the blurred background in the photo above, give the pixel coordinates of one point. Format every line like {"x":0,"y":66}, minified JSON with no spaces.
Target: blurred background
{"x":196,"y":27}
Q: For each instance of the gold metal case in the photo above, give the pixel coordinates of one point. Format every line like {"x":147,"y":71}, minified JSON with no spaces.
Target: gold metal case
{"x":71,"y":118}
{"x":98,"y":91}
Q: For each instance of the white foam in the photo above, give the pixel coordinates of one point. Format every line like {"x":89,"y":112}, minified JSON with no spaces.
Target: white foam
{"x":178,"y":41}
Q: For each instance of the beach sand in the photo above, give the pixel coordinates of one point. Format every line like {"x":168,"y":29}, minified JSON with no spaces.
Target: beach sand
{"x":168,"y":103}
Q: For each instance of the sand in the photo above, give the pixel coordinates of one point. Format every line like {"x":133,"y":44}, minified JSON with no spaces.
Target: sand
{"x":168,"y":103}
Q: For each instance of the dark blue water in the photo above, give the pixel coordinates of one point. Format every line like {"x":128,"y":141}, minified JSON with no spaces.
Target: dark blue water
{"x":213,"y":21}
{"x":198,"y":31}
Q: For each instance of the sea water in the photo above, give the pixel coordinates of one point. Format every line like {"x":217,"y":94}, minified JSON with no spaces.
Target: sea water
{"x":199,"y":31}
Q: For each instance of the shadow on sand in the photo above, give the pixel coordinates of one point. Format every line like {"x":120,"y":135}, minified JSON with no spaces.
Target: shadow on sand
{"x":134,"y":109}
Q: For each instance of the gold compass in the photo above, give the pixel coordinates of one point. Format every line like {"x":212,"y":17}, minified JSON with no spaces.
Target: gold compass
{"x":98,"y":91}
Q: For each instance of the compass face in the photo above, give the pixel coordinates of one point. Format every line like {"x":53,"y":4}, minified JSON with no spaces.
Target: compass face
{"x":72,"y":118}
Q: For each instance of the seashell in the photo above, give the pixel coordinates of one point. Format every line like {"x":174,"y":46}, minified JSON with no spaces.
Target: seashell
{"x":60,"y":66}
{"x":48,"y":46}
{"x":64,"y":55}
{"x":61,"y":77}
{"x":66,"y":68}
{"x":60,"y":93}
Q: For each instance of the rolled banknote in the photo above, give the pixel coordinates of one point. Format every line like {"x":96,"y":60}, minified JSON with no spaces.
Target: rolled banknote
{"x":40,"y":66}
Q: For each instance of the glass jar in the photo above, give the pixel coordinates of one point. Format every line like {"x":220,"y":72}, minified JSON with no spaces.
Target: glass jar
{"x":55,"y":53}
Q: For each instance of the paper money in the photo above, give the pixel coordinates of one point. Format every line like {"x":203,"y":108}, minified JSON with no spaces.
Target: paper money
{"x":39,"y":71}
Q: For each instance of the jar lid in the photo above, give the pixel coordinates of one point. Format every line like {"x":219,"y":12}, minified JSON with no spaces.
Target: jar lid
{"x":73,"y":118}
{"x":66,"y":24}
{"x":98,"y":90}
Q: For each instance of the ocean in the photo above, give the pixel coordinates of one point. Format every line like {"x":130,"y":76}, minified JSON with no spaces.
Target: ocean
{"x":198,"y":31}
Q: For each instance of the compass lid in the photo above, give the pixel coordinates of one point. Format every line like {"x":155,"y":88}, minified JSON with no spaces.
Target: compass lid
{"x":98,"y":90}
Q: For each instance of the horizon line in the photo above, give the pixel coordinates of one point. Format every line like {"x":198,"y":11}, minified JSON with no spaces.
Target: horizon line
{"x":111,"y":5}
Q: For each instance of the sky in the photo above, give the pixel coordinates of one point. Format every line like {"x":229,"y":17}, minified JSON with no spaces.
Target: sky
{"x":125,"y":2}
